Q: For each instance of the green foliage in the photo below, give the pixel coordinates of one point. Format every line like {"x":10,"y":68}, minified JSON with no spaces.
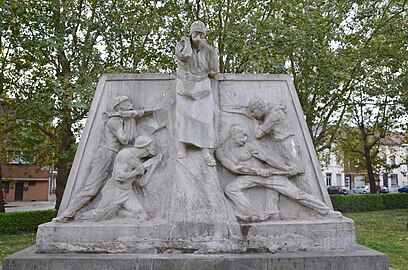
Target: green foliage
{"x":369,"y":202}
{"x":17,"y":222}
{"x":52,"y":53}
{"x":395,"y":201}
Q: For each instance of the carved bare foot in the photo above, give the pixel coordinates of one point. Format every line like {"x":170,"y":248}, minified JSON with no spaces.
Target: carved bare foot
{"x":62,"y":219}
{"x":208,"y":158}
{"x":333,"y":214}
{"x":182,"y":152}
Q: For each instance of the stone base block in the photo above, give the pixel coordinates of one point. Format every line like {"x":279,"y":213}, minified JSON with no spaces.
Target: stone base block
{"x":160,"y":237}
{"x":360,"y":258}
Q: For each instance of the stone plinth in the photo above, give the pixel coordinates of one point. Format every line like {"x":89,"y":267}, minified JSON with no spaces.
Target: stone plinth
{"x":162,"y":237}
{"x":359,"y":258}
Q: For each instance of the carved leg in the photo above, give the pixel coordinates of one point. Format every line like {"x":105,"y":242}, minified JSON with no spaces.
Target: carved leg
{"x":234,"y":192}
{"x":133,"y":207}
{"x":287,"y":188}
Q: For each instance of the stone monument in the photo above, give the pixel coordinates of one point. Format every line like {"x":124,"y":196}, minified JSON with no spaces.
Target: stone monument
{"x":196,"y":170}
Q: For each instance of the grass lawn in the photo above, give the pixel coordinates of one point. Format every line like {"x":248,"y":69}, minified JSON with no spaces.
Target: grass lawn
{"x":10,"y":244}
{"x":385,"y":231}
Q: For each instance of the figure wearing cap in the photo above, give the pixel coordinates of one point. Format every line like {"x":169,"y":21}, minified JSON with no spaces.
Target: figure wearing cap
{"x":197,"y":62}
{"x":116,"y":134}
{"x":118,"y":193}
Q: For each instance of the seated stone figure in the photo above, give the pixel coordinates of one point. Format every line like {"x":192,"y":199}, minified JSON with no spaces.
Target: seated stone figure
{"x":118,"y":193}
{"x":255,"y":169}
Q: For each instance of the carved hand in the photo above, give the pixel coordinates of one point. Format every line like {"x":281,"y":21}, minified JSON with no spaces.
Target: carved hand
{"x":132,"y":113}
{"x":264,"y":172}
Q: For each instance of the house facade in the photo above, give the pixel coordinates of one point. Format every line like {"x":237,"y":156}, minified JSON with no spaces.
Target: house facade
{"x":24,"y":182}
{"x":393,"y":149}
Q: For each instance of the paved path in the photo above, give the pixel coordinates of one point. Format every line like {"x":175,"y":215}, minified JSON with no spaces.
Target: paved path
{"x":30,"y":206}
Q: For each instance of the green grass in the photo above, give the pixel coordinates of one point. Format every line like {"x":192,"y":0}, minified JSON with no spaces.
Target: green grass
{"x":10,"y":244}
{"x":385,"y":231}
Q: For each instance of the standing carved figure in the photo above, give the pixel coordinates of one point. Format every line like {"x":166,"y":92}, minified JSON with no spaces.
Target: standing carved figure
{"x":270,"y":119}
{"x":197,"y":62}
{"x":255,"y":169}
{"x":118,"y":193}
{"x":116,"y":135}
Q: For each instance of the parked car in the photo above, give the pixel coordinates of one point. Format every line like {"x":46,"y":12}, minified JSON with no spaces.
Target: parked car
{"x":382,"y":189}
{"x":403,"y":189}
{"x":3,"y":196}
{"x":337,"y":190}
{"x":362,"y":189}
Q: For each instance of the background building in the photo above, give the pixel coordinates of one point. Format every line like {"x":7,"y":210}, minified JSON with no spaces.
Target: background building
{"x":393,"y":149}
{"x":25,"y":182}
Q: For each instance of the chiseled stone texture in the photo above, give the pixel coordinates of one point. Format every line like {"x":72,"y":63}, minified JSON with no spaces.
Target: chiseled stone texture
{"x":270,"y":236}
{"x":360,"y":258}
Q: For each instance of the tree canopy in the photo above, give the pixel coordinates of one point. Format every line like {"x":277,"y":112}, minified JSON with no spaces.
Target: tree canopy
{"x":342,"y":55}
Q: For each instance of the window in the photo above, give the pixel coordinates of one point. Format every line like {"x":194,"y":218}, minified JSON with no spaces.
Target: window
{"x":31,"y":183}
{"x":328,"y":179}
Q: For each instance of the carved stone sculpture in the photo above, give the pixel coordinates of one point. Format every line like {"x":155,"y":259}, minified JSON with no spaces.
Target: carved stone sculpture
{"x":119,"y":194}
{"x":253,"y":198}
{"x":197,"y":62}
{"x":117,"y":133}
{"x":263,"y":193}
{"x":255,"y":168}
{"x":270,"y":121}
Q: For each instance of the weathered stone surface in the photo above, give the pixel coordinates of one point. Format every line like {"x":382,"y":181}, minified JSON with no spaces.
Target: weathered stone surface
{"x":196,"y":237}
{"x":360,"y":258}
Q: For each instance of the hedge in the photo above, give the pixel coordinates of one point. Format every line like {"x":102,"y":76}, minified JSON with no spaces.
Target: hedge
{"x":16,"y":222}
{"x":369,"y":202}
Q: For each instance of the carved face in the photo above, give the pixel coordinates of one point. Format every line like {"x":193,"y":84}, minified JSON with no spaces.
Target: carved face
{"x":240,"y":137}
{"x":257,"y":112}
{"x":126,"y":106}
{"x":197,"y":38}
{"x":151,"y":149}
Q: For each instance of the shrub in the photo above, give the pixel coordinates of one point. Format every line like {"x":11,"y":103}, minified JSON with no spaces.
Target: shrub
{"x":369,"y":202}
{"x":16,"y":222}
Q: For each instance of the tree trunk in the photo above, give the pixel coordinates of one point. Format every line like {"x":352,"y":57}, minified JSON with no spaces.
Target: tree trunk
{"x":2,"y":208}
{"x":64,"y":162}
{"x":370,"y":171}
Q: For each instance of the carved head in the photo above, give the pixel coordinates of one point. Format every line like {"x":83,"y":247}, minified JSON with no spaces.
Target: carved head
{"x":197,"y":33}
{"x":122,"y":103}
{"x":198,"y":26}
{"x":239,"y":134}
{"x":146,"y":143}
{"x":257,"y":108}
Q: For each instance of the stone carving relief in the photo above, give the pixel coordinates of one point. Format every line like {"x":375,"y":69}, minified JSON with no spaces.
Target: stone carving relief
{"x":118,"y":132}
{"x":197,"y":62}
{"x":158,"y":163}
{"x":119,"y":194}
{"x":255,"y":168}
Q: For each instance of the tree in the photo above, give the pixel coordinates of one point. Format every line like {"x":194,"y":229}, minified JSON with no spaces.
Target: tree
{"x":53,"y":52}
{"x":376,"y":106}
{"x":56,"y":51}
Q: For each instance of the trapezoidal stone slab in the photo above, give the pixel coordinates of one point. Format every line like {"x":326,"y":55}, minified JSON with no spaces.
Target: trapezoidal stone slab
{"x":268,"y":200}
